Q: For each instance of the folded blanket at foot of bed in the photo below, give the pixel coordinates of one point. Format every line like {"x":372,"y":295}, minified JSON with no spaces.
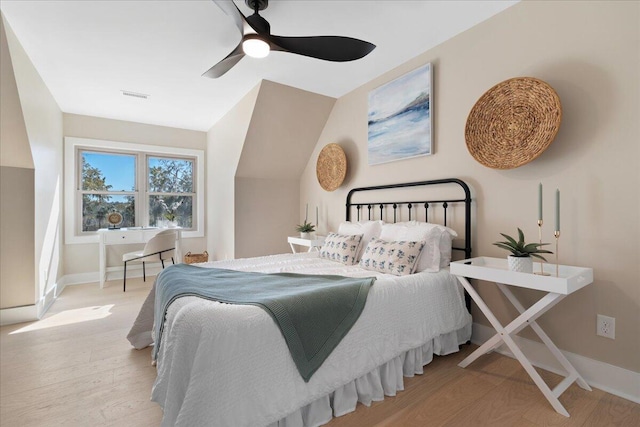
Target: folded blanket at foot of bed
{"x":313,"y":312}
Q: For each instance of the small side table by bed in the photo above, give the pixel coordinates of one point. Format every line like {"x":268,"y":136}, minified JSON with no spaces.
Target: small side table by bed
{"x":569,"y":280}
{"x":314,"y":243}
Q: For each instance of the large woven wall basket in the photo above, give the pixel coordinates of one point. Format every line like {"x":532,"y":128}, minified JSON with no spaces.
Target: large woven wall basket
{"x":331,"y":167}
{"x":513,"y":123}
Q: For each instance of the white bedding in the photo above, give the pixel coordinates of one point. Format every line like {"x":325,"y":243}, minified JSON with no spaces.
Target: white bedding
{"x":207,"y":375}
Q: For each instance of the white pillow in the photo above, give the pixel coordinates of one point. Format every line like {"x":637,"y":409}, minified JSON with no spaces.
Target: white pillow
{"x":446,"y":244}
{"x":389,"y":228}
{"x":429,"y":259}
{"x":397,"y":257}
{"x":367,"y":229}
{"x":341,"y":248}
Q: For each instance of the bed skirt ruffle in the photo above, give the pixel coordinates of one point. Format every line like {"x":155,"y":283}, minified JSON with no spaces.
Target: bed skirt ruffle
{"x":385,"y":380}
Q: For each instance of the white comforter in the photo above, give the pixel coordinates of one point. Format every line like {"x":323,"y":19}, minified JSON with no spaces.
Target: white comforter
{"x":228,"y":365}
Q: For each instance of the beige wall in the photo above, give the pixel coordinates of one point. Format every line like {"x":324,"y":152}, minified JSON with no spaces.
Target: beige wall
{"x":17,"y":254}
{"x":43,"y":123}
{"x":266,"y":213}
{"x":83,"y":258}
{"x":589,"y":52}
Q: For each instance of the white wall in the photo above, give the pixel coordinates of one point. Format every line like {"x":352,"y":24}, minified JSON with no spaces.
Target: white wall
{"x":590,"y":53}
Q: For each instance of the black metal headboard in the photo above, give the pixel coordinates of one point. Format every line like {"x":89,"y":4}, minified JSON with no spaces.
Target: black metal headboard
{"x":421,"y":204}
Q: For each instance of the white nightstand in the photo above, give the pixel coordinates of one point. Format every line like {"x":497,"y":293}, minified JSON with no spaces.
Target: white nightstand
{"x":314,"y":243}
{"x":569,"y":280}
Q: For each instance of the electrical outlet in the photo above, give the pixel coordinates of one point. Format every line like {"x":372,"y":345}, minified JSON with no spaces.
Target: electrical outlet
{"x":606,"y":327}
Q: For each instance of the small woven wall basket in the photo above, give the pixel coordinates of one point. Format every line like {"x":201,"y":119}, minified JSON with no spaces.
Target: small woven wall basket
{"x":190,"y":258}
{"x":513,"y":123}
{"x":331,"y":167}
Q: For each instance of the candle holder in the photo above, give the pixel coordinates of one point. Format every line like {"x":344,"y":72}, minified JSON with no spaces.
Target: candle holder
{"x":557,"y":236}
{"x":541,"y":272}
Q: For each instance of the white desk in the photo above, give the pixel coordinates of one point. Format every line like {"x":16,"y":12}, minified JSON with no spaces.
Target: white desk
{"x":569,"y":280}
{"x":126,"y":236}
{"x":314,"y":243}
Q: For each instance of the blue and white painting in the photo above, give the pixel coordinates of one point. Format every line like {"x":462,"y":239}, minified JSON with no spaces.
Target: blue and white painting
{"x":400,"y":118}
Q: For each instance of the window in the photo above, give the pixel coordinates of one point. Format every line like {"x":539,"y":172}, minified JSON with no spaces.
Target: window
{"x":170,"y":189}
{"x":150,"y":186}
{"x":107,"y":184}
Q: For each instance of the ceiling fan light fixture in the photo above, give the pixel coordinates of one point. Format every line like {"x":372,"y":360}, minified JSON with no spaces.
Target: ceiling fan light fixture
{"x":254,"y":46}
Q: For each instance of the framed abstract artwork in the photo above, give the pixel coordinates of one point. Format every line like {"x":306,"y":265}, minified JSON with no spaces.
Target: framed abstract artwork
{"x":399,"y":118}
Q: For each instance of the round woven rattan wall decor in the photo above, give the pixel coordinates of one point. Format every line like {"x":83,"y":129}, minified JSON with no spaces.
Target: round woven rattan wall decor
{"x":331,"y":167}
{"x":513,"y":123}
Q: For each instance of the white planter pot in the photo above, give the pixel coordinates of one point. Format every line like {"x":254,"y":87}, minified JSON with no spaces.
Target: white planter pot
{"x":520,"y":264}
{"x":305,"y":235}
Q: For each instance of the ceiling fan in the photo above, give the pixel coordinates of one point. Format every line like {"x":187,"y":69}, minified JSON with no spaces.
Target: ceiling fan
{"x":257,"y":41}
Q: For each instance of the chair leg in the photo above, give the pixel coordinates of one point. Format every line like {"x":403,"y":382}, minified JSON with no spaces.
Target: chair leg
{"x":144,"y":273}
{"x":124,"y":283}
{"x":162,"y":261}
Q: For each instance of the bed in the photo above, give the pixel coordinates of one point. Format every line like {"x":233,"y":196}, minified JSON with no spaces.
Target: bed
{"x":228,"y":365}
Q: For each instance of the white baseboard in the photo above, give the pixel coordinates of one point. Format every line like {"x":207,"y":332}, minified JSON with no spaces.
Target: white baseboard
{"x":27,"y":313}
{"x":79,"y":278}
{"x":113,"y":273}
{"x":612,"y":379}
{"x":30,"y":313}
{"x":45,"y":302}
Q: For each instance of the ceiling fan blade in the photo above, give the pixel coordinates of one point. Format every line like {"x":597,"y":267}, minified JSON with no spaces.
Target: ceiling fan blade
{"x":226,"y":64}
{"x":329,"y":48}
{"x":230,"y":8}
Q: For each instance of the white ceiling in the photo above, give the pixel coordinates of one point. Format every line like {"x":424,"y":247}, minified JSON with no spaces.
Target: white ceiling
{"x":88,"y":51}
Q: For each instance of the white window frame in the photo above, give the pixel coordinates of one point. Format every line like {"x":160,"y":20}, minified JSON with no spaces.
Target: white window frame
{"x":72,"y":216}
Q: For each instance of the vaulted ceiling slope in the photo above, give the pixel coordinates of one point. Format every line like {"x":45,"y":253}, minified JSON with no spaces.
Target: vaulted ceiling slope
{"x":15,"y":150}
{"x":283,"y":131}
{"x":88,"y":52}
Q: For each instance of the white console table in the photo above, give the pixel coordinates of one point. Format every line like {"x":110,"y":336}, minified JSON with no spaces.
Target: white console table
{"x":569,"y":280}
{"x":126,"y":236}
{"x":314,"y":243}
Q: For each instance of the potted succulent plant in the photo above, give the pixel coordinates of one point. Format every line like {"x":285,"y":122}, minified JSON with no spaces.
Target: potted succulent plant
{"x":305,"y":229}
{"x":521,"y":252}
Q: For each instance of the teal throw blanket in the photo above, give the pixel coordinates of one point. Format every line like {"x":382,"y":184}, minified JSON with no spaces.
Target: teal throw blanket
{"x":313,"y":312}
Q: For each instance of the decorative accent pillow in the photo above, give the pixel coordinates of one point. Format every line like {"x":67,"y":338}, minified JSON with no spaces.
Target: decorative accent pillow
{"x":341,"y":248}
{"x":368,"y":230}
{"x":438,"y":241}
{"x":396,"y":257}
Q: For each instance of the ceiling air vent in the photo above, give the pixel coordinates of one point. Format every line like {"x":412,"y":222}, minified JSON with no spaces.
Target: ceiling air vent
{"x":135,"y":94}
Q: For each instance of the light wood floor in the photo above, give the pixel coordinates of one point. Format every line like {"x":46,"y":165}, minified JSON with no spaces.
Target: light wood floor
{"x":75,"y":368}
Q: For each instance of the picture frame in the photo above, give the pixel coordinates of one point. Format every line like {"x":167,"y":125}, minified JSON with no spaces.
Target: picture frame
{"x":400,"y":118}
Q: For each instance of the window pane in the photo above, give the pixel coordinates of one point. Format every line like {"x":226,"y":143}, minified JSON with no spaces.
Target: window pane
{"x":108,"y":172}
{"x":170,"y":175}
{"x":96,"y":207}
{"x":171,"y":208}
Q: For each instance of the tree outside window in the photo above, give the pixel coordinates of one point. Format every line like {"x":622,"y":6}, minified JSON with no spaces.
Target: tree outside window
{"x":107,"y":185}
{"x":109,"y":182}
{"x":171,"y":191}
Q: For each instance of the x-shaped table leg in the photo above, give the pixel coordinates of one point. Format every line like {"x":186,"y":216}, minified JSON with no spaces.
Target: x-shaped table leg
{"x":526,"y":318}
